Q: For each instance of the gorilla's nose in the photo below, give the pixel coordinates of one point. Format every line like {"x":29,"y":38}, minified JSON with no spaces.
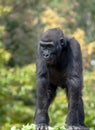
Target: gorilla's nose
{"x":46,"y":56}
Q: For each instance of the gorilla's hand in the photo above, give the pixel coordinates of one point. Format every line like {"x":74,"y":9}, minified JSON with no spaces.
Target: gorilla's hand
{"x":41,"y":127}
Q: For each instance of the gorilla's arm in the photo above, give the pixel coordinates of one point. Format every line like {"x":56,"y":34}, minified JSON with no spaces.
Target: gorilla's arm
{"x":41,"y":115}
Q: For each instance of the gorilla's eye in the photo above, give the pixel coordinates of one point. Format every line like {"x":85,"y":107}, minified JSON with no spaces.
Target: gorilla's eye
{"x":47,"y":45}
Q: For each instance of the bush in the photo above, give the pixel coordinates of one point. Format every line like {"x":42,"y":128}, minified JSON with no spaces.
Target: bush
{"x":17,"y":95}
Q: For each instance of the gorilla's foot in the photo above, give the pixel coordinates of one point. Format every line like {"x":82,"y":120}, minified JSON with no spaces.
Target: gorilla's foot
{"x":77,"y":128}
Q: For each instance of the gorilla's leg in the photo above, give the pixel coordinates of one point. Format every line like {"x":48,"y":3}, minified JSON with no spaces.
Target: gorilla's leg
{"x":81,"y":112}
{"x":45,"y":97}
{"x":73,"y":98}
{"x":75,"y":118}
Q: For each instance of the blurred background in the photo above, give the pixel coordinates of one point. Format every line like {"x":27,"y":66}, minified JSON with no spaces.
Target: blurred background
{"x":21,"y":26}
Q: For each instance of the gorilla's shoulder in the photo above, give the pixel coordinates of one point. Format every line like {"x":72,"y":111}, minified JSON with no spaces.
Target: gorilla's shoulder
{"x":74,"y":43}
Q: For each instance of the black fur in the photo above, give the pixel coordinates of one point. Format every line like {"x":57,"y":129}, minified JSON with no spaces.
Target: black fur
{"x":59,"y":65}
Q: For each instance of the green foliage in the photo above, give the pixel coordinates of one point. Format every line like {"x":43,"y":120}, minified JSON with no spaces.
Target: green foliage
{"x":21,"y":30}
{"x":17,"y":95}
{"x":89,"y":99}
{"x":32,"y":127}
{"x":4,"y":56}
{"x":24,"y":127}
{"x":59,"y":109}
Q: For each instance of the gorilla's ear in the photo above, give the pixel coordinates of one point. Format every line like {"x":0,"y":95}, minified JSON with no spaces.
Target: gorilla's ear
{"x":63,"y":41}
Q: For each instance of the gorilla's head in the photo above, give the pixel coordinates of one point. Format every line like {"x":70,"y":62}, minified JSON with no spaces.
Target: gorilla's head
{"x":51,"y":45}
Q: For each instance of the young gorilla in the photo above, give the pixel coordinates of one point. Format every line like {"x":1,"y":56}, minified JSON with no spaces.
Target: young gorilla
{"x":59,"y":63}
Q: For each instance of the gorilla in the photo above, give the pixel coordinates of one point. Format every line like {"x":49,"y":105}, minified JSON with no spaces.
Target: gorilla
{"x":59,"y":64}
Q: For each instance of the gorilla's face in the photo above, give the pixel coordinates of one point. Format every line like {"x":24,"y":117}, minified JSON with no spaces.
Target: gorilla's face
{"x":51,"y":45}
{"x":48,"y":52}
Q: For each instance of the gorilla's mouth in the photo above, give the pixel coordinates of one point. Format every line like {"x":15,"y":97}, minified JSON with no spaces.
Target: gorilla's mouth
{"x":51,"y":60}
